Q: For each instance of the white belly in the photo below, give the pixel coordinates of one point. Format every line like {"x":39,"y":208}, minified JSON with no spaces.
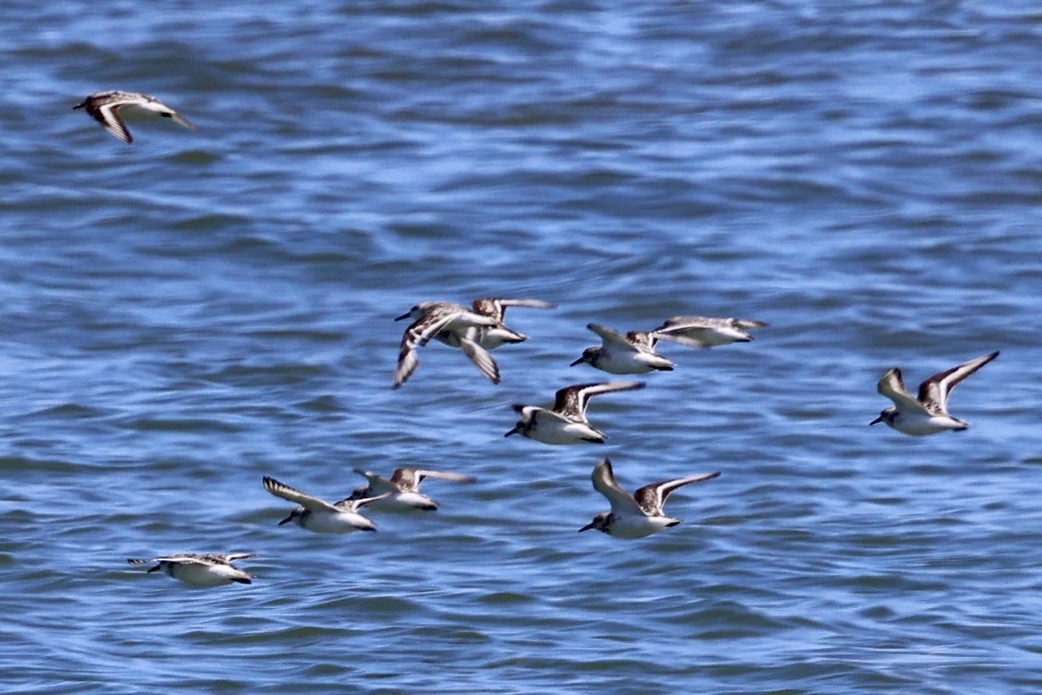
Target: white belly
{"x":626,"y":363}
{"x":555,"y":431}
{"x":203,"y":575}
{"x":342,"y":522}
{"x":633,"y":526}
{"x":920,"y":424}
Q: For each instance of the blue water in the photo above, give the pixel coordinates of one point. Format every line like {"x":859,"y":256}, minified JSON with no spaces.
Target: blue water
{"x":187,"y":314}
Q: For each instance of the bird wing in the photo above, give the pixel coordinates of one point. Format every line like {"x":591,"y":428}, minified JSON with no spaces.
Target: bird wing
{"x":652,"y":498}
{"x":496,"y":307}
{"x":574,"y":399}
{"x":893,"y":387}
{"x":312,"y":504}
{"x":695,"y":331}
{"x":481,"y":358}
{"x":181,"y":120}
{"x":417,"y":335}
{"x":108,"y":116}
{"x":150,"y":103}
{"x":431,"y":323}
{"x":232,"y":557}
{"x":353,"y":504}
{"x":611,"y":337}
{"x":189,"y":559}
{"x":375,"y":482}
{"x":643,"y":340}
{"x":604,"y":482}
{"x":419,"y":475}
{"x":934,"y":392}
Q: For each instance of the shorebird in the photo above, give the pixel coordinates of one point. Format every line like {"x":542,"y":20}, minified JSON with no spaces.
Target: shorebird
{"x":402,"y":489}
{"x":491,"y":337}
{"x":105,"y":108}
{"x":640,"y":514}
{"x":432,"y":318}
{"x":927,"y":414}
{"x":633,"y":353}
{"x":706,"y":332}
{"x":566,"y":423}
{"x":200,"y":570}
{"x":320,"y":516}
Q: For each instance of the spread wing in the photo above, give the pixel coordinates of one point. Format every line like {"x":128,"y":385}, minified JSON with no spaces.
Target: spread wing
{"x":643,"y":340}
{"x":705,"y":331}
{"x":232,"y":557}
{"x":419,"y":334}
{"x":312,"y":504}
{"x":205,"y":559}
{"x":179,"y":119}
{"x":353,"y":504}
{"x":934,"y":392}
{"x":412,"y":477}
{"x":481,"y":358}
{"x":893,"y":387}
{"x":652,"y":498}
{"x":108,"y":116}
{"x":604,"y":482}
{"x":574,"y":399}
{"x":612,"y":338}
{"x":376,"y":482}
{"x":496,"y":307}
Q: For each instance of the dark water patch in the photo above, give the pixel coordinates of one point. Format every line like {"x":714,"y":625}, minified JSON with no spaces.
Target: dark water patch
{"x":195,"y":425}
{"x":17,"y":463}
{"x":69,"y":411}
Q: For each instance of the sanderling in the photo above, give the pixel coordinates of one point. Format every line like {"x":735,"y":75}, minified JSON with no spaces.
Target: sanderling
{"x":200,"y":570}
{"x":320,"y":516}
{"x":104,"y":107}
{"x":566,"y":423}
{"x":706,"y":332}
{"x":402,"y":489}
{"x":633,"y":353}
{"x":432,"y":318}
{"x":637,"y":515}
{"x":927,"y":414}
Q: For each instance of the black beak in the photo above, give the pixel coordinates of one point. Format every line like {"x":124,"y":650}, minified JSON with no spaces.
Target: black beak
{"x":578,"y":361}
{"x":587,"y":527}
{"x":286,"y":520}
{"x":403,"y":316}
{"x":513,"y":431}
{"x":155,"y":569}
{"x":876,"y":421}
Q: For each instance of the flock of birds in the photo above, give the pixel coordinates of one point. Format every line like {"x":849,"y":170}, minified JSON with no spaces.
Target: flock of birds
{"x":477,"y":331}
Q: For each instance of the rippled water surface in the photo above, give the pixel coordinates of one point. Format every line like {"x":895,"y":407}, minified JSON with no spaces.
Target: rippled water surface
{"x":187,"y":314}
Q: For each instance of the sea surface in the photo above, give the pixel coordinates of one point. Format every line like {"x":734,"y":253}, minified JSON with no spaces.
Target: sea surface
{"x":184,"y":315}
